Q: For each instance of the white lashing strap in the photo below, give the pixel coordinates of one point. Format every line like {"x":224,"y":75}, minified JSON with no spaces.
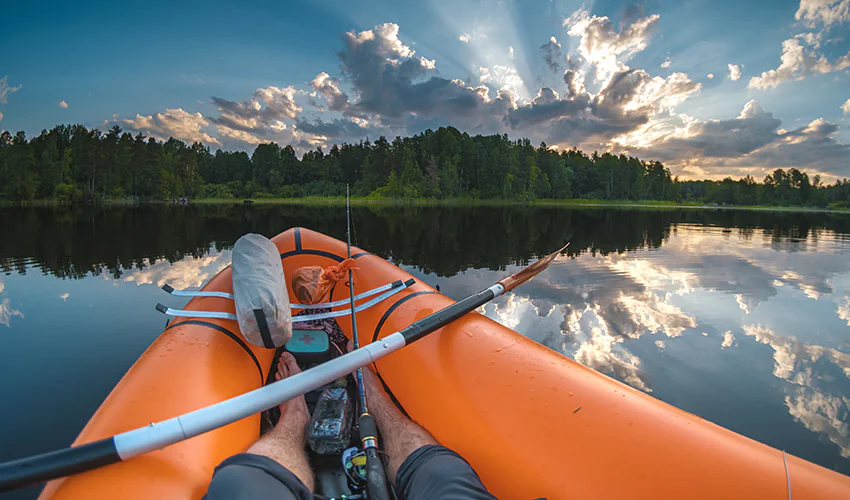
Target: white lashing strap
{"x":183,"y":293}
{"x":393,"y":288}
{"x":323,"y":305}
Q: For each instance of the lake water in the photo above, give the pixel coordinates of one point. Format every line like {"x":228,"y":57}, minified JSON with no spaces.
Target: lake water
{"x":742,"y":318}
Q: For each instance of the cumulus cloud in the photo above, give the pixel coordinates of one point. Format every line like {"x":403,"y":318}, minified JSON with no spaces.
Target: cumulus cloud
{"x":752,"y":129}
{"x":602,"y":46}
{"x":753,"y":140}
{"x":386,"y":88}
{"x":728,"y":339}
{"x":395,"y":90}
{"x":392,"y":83}
{"x":551,"y":51}
{"x":511,"y":52}
{"x":823,"y":12}
{"x":632,"y":98}
{"x":846,"y":107}
{"x":799,"y":59}
{"x":63,"y":104}
{"x":329,"y":87}
{"x":257,"y":118}
{"x":175,"y":123}
{"x":734,"y":72}
{"x":501,"y":76}
{"x":710,"y":76}
{"x":667,"y":62}
{"x":813,"y":146}
{"x":802,"y":54}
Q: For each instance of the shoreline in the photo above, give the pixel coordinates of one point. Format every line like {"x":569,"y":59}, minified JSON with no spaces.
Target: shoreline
{"x":362,"y":201}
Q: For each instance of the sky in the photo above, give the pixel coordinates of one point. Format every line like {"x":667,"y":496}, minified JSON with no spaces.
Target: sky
{"x":712,"y":88}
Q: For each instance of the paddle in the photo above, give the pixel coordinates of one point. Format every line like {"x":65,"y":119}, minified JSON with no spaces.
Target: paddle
{"x":377,"y":485}
{"x":65,"y":462}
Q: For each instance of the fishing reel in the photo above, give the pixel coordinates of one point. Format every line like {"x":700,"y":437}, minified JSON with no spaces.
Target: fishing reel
{"x":354,"y":466}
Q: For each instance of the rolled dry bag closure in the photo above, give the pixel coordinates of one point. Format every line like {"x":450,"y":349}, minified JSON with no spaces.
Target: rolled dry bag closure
{"x":259,"y":292}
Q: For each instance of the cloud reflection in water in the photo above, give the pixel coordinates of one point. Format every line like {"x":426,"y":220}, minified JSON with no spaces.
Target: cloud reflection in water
{"x":7,"y":312}
{"x":189,"y":272}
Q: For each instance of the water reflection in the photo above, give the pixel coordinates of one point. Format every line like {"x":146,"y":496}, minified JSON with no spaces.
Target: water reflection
{"x":844,"y":309}
{"x":6,"y":310}
{"x":740,"y":317}
{"x":75,"y":242}
{"x":186,"y":273}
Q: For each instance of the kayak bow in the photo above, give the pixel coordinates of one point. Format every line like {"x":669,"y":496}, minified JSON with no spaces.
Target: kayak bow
{"x":73,"y":460}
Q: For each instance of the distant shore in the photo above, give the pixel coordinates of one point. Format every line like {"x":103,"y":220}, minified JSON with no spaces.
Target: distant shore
{"x":339,"y":200}
{"x":655,"y":205}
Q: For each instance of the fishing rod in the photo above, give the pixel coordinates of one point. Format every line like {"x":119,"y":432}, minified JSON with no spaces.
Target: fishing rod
{"x":377,"y":486}
{"x":85,"y":457}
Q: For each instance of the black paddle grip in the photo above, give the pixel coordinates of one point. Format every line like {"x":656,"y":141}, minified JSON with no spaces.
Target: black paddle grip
{"x":56,"y":464}
{"x":445,"y":316}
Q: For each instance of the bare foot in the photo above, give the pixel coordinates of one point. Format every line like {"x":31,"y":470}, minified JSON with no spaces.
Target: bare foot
{"x":286,"y":443}
{"x":296,"y":408}
{"x":401,"y":435}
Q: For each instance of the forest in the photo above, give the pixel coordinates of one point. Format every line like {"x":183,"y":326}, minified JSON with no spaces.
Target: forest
{"x":71,"y":163}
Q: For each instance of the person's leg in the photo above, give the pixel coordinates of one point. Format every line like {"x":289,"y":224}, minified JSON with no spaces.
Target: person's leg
{"x":400,"y":435}
{"x":286,"y":443}
{"x":418,"y":465}
{"x":276,"y":466}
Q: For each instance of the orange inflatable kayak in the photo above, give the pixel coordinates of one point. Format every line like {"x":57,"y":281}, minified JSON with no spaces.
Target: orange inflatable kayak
{"x":532,"y":422}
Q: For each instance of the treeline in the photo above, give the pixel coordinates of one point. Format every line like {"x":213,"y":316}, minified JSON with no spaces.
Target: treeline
{"x":81,"y":240}
{"x":73,"y":163}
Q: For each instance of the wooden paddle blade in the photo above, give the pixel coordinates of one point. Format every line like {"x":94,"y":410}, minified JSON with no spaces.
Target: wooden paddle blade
{"x":531,"y":271}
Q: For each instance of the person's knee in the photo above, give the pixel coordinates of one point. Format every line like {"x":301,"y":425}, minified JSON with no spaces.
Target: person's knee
{"x":247,"y":476}
{"x":434,"y":471}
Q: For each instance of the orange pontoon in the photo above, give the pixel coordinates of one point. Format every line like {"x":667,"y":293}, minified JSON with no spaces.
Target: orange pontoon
{"x":532,"y":422}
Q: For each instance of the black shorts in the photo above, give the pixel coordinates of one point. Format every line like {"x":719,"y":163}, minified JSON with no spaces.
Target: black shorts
{"x":429,"y":472}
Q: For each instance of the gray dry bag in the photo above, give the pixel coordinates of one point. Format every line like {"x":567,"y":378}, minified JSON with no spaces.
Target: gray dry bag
{"x":259,"y":291}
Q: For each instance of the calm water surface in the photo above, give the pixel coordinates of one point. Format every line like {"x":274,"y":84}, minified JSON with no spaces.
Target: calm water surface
{"x":742,"y":318}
